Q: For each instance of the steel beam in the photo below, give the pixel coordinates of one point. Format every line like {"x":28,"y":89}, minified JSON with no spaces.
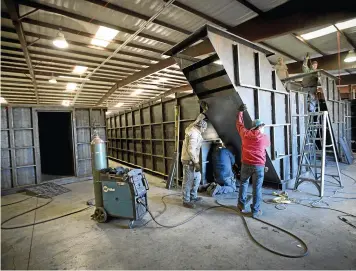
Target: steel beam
{"x":329,"y":63}
{"x":13,"y":10}
{"x":113,"y":66}
{"x":279,"y":51}
{"x":137,"y":15}
{"x":311,"y":46}
{"x":293,"y":16}
{"x":349,"y":40}
{"x":349,"y":79}
{"x":45,"y":37}
{"x":250,"y":6}
{"x":198,"y":13}
{"x":42,"y":46}
{"x":77,"y":32}
{"x":88,"y":20}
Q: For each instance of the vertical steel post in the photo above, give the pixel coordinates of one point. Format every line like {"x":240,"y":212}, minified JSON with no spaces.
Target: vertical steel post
{"x":176,"y":128}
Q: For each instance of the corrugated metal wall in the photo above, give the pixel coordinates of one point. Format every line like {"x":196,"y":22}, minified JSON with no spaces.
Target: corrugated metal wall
{"x":20,"y":150}
{"x":145,"y":136}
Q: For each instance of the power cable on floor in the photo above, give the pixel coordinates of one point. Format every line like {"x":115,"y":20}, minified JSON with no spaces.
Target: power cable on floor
{"x":8,"y":204}
{"x":33,"y":230}
{"x":219,"y":205}
{"x":39,"y":222}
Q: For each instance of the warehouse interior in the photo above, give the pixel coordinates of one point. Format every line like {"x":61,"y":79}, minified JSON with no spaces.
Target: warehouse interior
{"x":99,"y":99}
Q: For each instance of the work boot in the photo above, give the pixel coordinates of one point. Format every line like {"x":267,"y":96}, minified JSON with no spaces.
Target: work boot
{"x":189,"y":205}
{"x":241,"y":208}
{"x":197,"y":199}
{"x":203,"y":187}
{"x":210,"y":188}
{"x":257,"y":214}
{"x":214,"y":191}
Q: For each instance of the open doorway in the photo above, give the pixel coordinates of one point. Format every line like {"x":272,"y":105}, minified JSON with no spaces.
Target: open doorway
{"x":56,"y":145}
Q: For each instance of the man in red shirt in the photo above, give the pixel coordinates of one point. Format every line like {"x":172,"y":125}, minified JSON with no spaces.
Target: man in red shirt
{"x":254,"y":144}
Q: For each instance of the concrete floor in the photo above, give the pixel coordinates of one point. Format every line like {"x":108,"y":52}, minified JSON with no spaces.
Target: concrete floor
{"x":217,"y":239}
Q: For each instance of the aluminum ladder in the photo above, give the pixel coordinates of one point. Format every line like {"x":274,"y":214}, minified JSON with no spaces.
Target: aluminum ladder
{"x":314,"y":152}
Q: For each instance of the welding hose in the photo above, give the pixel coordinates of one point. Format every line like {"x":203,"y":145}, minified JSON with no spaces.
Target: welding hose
{"x":219,"y":205}
{"x":8,"y":204}
{"x":39,"y":222}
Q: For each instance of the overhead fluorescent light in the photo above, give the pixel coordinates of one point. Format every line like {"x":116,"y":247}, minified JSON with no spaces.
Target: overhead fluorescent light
{"x":119,"y":104}
{"x":65,"y":103}
{"x":60,"y":41}
{"x":350,"y":57}
{"x":74,"y":78}
{"x":165,"y":56}
{"x":2,"y":101}
{"x":347,"y":24}
{"x":104,"y":36}
{"x":218,"y":62}
{"x":108,"y":112}
{"x":171,"y":96}
{"x":71,"y":86}
{"x":154,"y":61}
{"x":137,"y":92}
{"x":318,"y":33}
{"x":80,"y":69}
{"x":52,"y":80}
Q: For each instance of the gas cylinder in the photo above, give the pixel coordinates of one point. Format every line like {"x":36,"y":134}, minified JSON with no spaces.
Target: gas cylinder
{"x":99,"y":161}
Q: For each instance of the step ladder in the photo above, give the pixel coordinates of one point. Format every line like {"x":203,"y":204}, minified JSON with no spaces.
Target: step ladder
{"x":312,"y":161}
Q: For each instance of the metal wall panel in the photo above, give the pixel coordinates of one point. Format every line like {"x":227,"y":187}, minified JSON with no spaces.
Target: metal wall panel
{"x":86,"y":120}
{"x":20,"y":153}
{"x":151,"y":145}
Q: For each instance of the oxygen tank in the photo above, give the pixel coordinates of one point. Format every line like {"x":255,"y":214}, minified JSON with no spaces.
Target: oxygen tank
{"x":99,"y":161}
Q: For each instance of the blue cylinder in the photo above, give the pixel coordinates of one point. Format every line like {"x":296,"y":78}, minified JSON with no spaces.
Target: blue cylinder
{"x":99,"y":161}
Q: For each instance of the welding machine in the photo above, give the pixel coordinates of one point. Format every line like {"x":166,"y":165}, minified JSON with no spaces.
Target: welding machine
{"x":124,"y":196}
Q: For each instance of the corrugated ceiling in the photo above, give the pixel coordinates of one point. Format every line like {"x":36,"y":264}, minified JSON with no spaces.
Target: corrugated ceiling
{"x":48,"y":60}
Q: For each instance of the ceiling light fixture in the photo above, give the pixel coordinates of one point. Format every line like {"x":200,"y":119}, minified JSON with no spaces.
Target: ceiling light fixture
{"x":2,"y":101}
{"x":218,"y":62}
{"x":107,"y":112}
{"x":351,"y":57}
{"x":137,"y":92}
{"x":52,"y":80}
{"x":71,"y":86}
{"x":347,"y":24}
{"x":74,"y":78}
{"x":65,"y":102}
{"x":119,"y":104}
{"x":104,"y":36}
{"x":79,"y":69}
{"x":60,"y":41}
{"x":318,"y":33}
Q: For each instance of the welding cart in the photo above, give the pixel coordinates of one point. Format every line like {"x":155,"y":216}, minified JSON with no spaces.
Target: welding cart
{"x":124,"y":196}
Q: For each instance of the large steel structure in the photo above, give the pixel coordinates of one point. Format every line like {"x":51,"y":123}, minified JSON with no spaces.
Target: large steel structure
{"x":239,"y":72}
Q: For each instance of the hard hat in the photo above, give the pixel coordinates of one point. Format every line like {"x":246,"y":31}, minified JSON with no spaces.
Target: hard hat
{"x":257,"y":123}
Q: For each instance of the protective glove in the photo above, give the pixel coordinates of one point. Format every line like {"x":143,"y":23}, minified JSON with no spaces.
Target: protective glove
{"x":196,"y":167}
{"x":307,"y":56}
{"x":266,"y":169}
{"x":204,"y":106}
{"x":242,"y":108}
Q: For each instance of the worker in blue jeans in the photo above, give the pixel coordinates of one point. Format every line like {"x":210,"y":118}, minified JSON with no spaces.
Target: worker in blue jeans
{"x":254,"y":144}
{"x":223,"y":161}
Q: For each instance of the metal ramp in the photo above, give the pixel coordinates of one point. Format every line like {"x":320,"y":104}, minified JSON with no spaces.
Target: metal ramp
{"x":239,"y":72}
